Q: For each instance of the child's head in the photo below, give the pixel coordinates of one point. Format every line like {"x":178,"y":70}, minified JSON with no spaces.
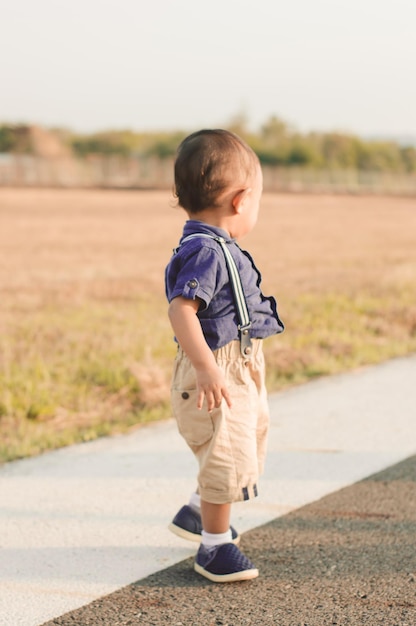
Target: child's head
{"x":208,"y":163}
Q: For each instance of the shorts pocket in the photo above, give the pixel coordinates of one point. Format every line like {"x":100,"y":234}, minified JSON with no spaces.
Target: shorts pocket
{"x":195,"y":426}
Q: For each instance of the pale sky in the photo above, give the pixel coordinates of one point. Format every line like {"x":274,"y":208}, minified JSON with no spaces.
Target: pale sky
{"x":184,"y":64}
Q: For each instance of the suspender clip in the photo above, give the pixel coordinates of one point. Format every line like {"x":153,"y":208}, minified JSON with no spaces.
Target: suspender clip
{"x":246,"y":346}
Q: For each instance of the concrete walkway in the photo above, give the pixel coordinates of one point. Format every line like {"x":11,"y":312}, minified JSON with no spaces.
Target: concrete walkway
{"x":81,"y":522}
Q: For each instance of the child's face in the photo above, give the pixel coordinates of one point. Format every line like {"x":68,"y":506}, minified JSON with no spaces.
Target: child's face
{"x":247,"y":218}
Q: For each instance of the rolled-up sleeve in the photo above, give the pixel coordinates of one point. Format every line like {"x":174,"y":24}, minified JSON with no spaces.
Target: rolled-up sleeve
{"x":195,"y":274}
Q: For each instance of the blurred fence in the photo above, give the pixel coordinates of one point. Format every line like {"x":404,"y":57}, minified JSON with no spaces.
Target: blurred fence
{"x":152,"y":173}
{"x":338,"y":181}
{"x":96,"y":171}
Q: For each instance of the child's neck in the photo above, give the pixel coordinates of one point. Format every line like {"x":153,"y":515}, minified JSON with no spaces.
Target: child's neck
{"x":213,"y":217}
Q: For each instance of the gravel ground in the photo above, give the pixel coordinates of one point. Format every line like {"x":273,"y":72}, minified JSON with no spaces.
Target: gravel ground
{"x":347,"y":559}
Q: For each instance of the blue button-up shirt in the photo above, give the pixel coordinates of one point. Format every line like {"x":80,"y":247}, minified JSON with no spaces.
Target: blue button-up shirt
{"x":198,"y":270}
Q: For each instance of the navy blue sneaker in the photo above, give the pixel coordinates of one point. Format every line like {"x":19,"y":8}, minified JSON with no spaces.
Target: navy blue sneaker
{"x":224,"y":564}
{"x":188,"y":525}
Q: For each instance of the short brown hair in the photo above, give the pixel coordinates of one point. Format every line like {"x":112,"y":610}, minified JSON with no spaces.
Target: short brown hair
{"x":207,"y":162}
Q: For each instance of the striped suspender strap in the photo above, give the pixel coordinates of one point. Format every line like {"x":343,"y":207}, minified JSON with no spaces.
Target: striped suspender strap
{"x":240,"y":301}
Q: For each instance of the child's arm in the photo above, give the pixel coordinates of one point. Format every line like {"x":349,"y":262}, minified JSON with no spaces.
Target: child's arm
{"x":187,"y":328}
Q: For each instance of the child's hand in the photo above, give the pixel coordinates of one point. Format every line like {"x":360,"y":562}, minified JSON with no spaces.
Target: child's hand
{"x":211,"y":386}
{"x":187,"y":328}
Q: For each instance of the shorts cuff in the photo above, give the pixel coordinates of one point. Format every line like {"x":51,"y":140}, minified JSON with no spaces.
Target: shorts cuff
{"x":236,"y":495}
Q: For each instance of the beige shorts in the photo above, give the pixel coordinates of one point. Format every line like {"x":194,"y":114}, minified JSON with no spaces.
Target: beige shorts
{"x":229,"y":443}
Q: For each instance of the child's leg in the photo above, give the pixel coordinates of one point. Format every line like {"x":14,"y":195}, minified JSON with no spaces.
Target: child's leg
{"x":218,"y":559}
{"x":187,"y":523}
{"x":215,"y":517}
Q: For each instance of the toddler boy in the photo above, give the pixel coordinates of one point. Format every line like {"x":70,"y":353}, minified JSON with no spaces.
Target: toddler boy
{"x":218,"y":394}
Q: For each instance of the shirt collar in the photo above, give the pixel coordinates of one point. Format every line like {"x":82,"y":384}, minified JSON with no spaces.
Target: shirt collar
{"x":196,"y":226}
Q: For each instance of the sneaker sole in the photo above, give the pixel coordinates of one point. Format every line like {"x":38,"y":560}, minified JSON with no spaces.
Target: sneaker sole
{"x":186,"y":534}
{"x":247,"y":574}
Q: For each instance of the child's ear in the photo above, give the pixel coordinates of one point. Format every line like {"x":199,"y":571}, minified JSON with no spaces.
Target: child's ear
{"x":239,"y":199}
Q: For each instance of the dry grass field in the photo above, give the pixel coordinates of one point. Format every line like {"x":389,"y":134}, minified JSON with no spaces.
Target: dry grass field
{"x":85,"y":344}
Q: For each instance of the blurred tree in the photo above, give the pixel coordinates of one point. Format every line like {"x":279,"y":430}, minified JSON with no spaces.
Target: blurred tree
{"x":276,"y":143}
{"x":165,"y":146}
{"x":275,"y":131}
{"x":15,"y":138}
{"x":380,"y":156}
{"x":7,"y":139}
{"x":408,"y":156}
{"x":239,"y":124}
{"x":339,"y":150}
{"x":100,"y":143}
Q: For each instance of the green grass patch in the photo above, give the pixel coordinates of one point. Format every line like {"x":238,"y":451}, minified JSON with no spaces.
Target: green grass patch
{"x":73,"y":373}
{"x":332,"y":333}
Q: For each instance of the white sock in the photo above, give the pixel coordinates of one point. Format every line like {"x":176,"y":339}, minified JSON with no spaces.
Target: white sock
{"x":195,"y":502}
{"x":211,"y":539}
